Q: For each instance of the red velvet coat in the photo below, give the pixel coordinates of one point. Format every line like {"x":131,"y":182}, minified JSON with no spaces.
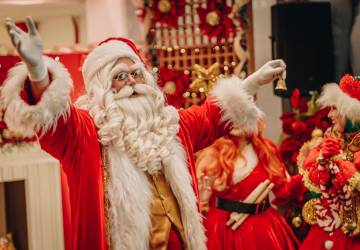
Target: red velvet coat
{"x":76,"y":145}
{"x":71,"y":137}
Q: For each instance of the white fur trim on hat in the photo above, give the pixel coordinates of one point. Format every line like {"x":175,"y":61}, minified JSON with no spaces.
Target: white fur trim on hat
{"x":348,"y":106}
{"x":105,"y":53}
{"x":55,"y":101}
{"x":238,"y":106}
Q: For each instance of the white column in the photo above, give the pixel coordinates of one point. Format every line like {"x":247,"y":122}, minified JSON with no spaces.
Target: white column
{"x":106,"y":18}
{"x":266,"y":100}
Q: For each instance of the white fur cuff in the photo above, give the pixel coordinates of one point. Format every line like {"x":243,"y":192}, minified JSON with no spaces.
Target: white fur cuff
{"x":55,"y":101}
{"x":237,"y":105}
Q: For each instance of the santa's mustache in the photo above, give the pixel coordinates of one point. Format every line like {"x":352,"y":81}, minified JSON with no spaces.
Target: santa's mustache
{"x":139,"y":89}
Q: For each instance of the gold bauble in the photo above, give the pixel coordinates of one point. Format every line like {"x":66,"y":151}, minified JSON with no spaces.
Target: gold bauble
{"x":349,"y":227}
{"x":296,"y":221}
{"x":317,"y":133}
{"x":7,"y":134}
{"x":164,"y":6}
{"x":309,"y":211}
{"x":212,"y":18}
{"x":170,"y":88}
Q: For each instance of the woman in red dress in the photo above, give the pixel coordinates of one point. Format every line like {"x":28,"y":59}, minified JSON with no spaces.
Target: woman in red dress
{"x":229,"y":171}
{"x":330,"y":168}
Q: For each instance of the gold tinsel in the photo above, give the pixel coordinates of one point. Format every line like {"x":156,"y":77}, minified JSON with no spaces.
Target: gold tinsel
{"x":353,"y":182}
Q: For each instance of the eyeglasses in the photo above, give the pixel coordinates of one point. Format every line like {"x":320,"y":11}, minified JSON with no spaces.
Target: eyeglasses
{"x":124,"y":76}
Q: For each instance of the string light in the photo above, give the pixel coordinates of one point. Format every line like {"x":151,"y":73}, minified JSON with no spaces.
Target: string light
{"x":182,"y":51}
{"x":197,"y":50}
{"x":155,"y":69}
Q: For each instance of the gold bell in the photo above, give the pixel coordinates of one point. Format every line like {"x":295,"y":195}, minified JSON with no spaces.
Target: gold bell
{"x":281,"y":85}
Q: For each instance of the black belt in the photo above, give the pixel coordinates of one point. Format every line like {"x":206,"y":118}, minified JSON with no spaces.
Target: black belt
{"x":241,"y":207}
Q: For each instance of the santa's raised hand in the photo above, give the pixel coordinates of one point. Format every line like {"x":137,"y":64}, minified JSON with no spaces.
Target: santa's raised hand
{"x":29,"y":47}
{"x":270,"y":71}
{"x":274,"y":69}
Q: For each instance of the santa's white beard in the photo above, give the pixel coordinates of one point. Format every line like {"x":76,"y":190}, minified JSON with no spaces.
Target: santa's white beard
{"x":141,"y":126}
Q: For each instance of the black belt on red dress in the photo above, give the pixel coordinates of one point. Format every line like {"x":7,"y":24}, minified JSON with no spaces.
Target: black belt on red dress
{"x":242,"y":207}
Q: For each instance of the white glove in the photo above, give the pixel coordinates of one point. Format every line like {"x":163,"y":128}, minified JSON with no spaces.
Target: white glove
{"x":29,"y":47}
{"x":267,"y":73}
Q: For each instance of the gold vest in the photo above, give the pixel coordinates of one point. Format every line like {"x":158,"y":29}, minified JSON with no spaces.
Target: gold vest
{"x":164,"y":213}
{"x":164,"y":209}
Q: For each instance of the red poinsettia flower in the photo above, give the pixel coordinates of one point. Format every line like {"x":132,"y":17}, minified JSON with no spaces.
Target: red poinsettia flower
{"x":215,"y":21}
{"x":303,"y":105}
{"x":295,"y":98}
{"x":168,"y":11}
{"x":174,"y":83}
{"x":287,"y":118}
{"x":298,"y":127}
{"x":287,"y":149}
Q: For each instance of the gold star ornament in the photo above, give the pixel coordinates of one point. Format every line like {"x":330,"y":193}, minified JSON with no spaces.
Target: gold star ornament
{"x":205,"y":78}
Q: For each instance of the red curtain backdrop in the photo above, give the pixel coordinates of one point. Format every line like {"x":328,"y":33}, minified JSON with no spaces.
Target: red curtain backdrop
{"x":73,"y":63}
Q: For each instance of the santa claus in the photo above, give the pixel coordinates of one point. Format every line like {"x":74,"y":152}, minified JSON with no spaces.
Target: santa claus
{"x":128,"y":155}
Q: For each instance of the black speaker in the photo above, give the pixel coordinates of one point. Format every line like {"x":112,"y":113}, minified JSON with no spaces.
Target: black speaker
{"x":302,"y":36}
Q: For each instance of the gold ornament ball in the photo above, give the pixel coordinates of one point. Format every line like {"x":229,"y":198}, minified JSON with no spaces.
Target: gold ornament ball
{"x":212,"y":18}
{"x":296,"y":221}
{"x":317,"y":133}
{"x":164,"y":6}
{"x":349,"y":226}
{"x":170,"y":88}
{"x":7,"y":134}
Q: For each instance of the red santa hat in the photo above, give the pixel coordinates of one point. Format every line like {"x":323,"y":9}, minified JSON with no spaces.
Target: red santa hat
{"x":345,"y":97}
{"x":108,"y":51}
